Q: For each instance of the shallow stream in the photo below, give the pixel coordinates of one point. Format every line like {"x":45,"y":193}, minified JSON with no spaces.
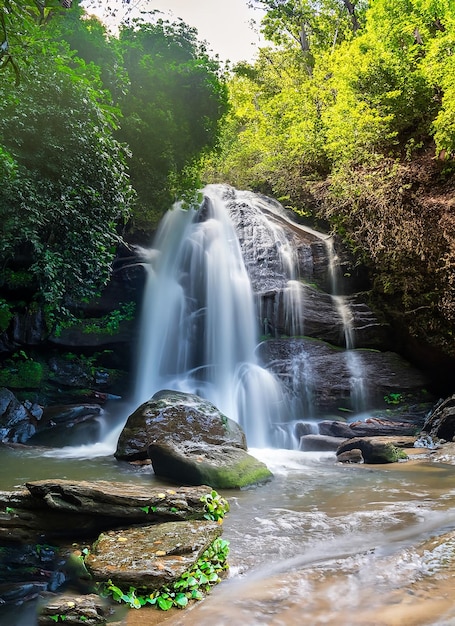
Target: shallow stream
{"x":323,"y":543}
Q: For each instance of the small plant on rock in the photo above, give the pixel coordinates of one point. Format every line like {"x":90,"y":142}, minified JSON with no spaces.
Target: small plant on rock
{"x":190,"y":586}
{"x":216,"y":506}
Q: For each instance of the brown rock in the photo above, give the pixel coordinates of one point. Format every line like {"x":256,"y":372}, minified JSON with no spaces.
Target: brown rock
{"x":149,"y":557}
{"x":351,"y":456}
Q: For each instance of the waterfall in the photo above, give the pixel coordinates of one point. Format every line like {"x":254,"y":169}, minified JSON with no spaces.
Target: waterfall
{"x":359,"y":393}
{"x":199,"y":328}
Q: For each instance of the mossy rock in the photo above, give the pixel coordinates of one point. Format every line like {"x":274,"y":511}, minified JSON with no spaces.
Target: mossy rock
{"x":376,"y":450}
{"x":221,"y":467}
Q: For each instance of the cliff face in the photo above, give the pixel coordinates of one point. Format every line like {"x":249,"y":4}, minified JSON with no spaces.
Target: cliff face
{"x":399,"y":219}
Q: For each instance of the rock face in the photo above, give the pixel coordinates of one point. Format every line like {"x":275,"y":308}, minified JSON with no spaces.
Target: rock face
{"x":149,"y":557}
{"x":313,"y":368}
{"x":440,"y":424}
{"x":189,"y":441}
{"x":18,"y":422}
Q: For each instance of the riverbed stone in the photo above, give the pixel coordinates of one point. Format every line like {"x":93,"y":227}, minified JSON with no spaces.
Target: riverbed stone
{"x":149,"y":557}
{"x":178,"y":417}
{"x":377,"y":450}
{"x":351,"y":456}
{"x":89,"y":610}
{"x":60,"y":509}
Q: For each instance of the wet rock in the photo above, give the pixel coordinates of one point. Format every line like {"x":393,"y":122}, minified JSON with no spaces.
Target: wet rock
{"x":29,"y":328}
{"x":335,"y":429}
{"x":377,"y":450}
{"x":121,"y":502}
{"x":17,"y":422}
{"x":320,"y":443}
{"x":370,"y":427}
{"x":305,"y":428}
{"x":440,"y":424}
{"x":88,"y":609}
{"x":351,"y":456}
{"x":177,"y":417}
{"x":222,"y":467}
{"x":375,"y":427}
{"x":316,"y":369}
{"x":70,"y":373}
{"x":149,"y":557}
{"x":58,"y":509}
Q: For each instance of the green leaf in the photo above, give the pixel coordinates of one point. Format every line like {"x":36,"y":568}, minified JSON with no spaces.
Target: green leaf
{"x":181,"y":600}
{"x":164,"y":603}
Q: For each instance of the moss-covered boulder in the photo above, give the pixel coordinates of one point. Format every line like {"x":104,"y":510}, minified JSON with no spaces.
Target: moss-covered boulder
{"x":377,"y":450}
{"x":222,"y":467}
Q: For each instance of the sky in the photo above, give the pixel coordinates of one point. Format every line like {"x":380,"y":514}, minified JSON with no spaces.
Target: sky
{"x":224,"y":24}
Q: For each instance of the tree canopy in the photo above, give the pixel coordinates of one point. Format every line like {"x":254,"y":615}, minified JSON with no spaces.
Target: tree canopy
{"x":97,"y":134}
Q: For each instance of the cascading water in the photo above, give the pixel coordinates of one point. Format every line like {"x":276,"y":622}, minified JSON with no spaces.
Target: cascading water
{"x":199,"y":328}
{"x":359,"y":393}
{"x":204,"y":310}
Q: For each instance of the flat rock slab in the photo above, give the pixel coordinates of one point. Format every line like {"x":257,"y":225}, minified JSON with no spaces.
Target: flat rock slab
{"x":120,"y":500}
{"x":57,"y":509}
{"x":149,"y":557}
{"x":222,"y":467}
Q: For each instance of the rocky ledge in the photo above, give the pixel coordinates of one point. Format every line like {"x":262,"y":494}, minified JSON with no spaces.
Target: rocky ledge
{"x":133,"y":537}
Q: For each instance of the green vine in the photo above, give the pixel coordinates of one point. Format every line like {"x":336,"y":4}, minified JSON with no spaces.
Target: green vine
{"x":190,"y":586}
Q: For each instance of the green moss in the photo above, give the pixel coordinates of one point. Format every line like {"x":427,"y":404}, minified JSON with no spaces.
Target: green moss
{"x":244,"y":473}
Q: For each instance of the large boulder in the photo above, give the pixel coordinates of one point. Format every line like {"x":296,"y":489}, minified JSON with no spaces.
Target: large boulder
{"x":222,"y":467}
{"x":190,"y":442}
{"x":440,"y":424}
{"x":178,"y":417}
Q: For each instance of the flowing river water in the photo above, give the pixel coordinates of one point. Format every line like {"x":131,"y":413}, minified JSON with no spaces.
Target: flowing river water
{"x":322,"y":543}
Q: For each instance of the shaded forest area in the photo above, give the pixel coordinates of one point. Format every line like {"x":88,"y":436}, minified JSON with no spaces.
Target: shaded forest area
{"x":347,"y":117}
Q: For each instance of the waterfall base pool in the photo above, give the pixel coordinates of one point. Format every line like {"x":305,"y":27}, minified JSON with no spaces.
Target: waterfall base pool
{"x":323,"y":543}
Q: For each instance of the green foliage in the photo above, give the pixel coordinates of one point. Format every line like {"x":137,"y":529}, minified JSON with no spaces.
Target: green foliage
{"x":216,"y":506}
{"x":108,"y":324}
{"x":5,"y":314}
{"x":171,"y":111}
{"x":190,"y":586}
{"x":379,"y":83}
{"x":60,"y":211}
{"x":21,"y":372}
{"x":393,"y":398}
